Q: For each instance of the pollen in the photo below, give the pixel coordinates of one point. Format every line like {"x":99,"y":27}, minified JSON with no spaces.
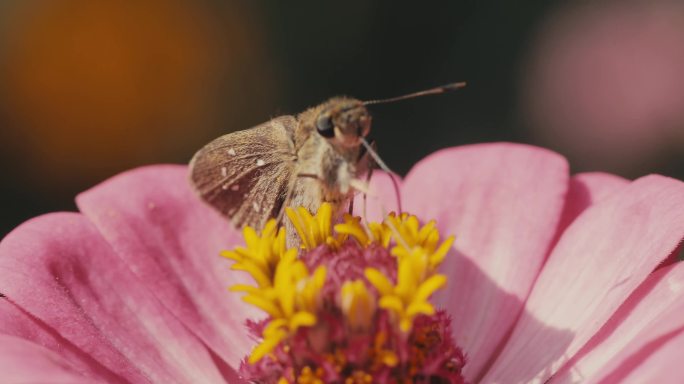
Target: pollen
{"x":352,"y":305}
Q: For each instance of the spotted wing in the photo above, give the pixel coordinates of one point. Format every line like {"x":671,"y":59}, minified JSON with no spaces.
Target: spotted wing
{"x":245,"y":174}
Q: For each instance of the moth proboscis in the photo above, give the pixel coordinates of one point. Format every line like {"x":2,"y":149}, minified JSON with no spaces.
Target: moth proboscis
{"x":321,"y":155}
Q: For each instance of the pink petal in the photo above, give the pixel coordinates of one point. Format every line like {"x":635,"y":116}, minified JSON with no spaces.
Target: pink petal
{"x":24,"y":362}
{"x":60,"y":271}
{"x":654,"y":356}
{"x":381,"y":199}
{"x":600,"y":259}
{"x":16,"y":322}
{"x":171,"y":241}
{"x":674,"y":256}
{"x":503,"y":202}
{"x":661,"y":291}
{"x":587,"y":189}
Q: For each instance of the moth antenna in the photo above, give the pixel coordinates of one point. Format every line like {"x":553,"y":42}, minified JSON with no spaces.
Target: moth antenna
{"x":385,"y":168}
{"x":431,"y":91}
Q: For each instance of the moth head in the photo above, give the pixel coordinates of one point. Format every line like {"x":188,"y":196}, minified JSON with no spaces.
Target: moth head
{"x":343,"y":120}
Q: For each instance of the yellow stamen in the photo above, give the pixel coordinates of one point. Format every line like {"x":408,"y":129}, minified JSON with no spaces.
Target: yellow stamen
{"x":308,"y":297}
{"x":314,"y":230}
{"x":267,"y":345}
{"x":352,"y":227}
{"x":262,"y":254}
{"x":409,"y":297}
{"x":309,"y":376}
{"x":412,"y":235}
{"x":358,"y":305}
{"x":378,"y":233}
{"x":359,"y":377}
{"x":291,"y":303}
{"x":381,"y":233}
{"x":381,"y":354}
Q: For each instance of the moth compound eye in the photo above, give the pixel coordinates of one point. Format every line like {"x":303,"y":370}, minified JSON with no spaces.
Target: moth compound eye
{"x":325,"y":127}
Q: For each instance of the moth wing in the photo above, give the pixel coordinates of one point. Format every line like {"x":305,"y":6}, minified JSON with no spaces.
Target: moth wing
{"x":245,"y":175}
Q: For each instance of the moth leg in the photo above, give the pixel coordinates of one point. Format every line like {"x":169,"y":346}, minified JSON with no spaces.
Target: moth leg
{"x":290,"y":193}
{"x":286,"y":202}
{"x":365,"y":158}
{"x":309,"y":175}
{"x":369,"y":174}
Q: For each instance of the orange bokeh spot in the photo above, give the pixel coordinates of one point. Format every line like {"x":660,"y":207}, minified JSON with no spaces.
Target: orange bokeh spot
{"x":97,"y":87}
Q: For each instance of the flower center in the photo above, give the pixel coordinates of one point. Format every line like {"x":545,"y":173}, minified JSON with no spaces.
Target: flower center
{"x":351,"y":306}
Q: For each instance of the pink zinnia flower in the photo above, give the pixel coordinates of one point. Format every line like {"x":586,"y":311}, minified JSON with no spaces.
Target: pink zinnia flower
{"x":550,"y":276}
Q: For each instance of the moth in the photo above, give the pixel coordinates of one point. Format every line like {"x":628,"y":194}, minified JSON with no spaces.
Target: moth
{"x":320,"y":155}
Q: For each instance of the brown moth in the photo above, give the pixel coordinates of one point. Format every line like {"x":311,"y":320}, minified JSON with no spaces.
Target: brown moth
{"x":318,"y":156}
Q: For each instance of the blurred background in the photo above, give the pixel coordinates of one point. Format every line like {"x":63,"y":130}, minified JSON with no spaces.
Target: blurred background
{"x":89,"y":89}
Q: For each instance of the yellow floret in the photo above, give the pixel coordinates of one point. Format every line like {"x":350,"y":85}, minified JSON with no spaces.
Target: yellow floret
{"x":262,"y":253}
{"x":378,"y":233}
{"x":357,"y":304}
{"x":291,"y":303}
{"x":309,"y":376}
{"x":314,"y":230}
{"x":409,"y":297}
{"x":409,"y":236}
